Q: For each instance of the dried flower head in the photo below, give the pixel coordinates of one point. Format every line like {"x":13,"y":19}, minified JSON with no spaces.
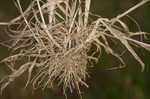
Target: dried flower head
{"x":53,"y":38}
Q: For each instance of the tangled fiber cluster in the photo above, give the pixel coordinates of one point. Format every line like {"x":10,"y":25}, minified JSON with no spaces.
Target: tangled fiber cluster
{"x":53,"y":37}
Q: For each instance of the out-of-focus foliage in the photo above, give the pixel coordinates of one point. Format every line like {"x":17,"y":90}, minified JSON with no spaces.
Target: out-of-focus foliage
{"x":127,"y":83}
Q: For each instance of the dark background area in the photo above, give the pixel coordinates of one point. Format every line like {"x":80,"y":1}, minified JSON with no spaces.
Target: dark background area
{"x":127,"y":83}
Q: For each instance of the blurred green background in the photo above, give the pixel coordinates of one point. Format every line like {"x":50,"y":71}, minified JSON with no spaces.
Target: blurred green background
{"x":127,"y":83}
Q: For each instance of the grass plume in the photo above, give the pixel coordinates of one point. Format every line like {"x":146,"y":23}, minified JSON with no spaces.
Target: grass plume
{"x":54,"y":37}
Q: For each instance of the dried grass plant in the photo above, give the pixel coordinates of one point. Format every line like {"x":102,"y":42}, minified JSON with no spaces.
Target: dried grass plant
{"x":53,"y":37}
